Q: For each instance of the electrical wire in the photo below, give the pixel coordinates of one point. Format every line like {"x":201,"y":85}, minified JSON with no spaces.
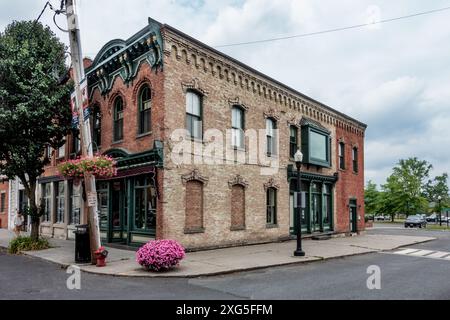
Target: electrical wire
{"x":43,"y":10}
{"x":333,"y":30}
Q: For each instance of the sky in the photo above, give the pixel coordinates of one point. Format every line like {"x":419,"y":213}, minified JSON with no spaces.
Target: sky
{"x":395,"y":77}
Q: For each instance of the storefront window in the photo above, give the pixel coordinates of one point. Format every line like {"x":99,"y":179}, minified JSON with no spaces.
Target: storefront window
{"x":75,"y":204}
{"x":327,"y":205}
{"x":145,"y":205}
{"x":45,"y":198}
{"x":60,"y":202}
{"x":102,"y":195}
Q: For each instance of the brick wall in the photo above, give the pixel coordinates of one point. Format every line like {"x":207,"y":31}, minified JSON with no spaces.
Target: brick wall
{"x":350,"y":184}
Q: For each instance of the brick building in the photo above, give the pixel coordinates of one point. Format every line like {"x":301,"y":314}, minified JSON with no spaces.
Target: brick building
{"x":4,"y":199}
{"x":205,"y":149}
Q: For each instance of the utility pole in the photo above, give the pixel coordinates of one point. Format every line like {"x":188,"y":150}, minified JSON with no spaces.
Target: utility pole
{"x":78,"y":77}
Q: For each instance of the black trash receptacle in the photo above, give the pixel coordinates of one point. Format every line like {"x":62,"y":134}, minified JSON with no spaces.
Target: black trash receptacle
{"x":82,"y":244}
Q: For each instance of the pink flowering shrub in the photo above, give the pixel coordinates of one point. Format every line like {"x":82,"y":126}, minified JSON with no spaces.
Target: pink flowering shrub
{"x":99,"y":166}
{"x":160,"y":255}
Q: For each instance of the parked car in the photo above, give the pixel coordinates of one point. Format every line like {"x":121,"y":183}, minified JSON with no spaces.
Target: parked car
{"x":381,"y":218}
{"x":431,"y":218}
{"x":415,"y":221}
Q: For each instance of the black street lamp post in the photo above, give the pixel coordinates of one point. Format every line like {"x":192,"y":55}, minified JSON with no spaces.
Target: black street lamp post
{"x":440,"y":211}
{"x":298,"y":162}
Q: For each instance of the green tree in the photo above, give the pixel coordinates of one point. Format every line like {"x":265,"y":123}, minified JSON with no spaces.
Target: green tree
{"x":371,"y":198}
{"x":405,"y":187}
{"x":438,"y":187}
{"x":34,"y":104}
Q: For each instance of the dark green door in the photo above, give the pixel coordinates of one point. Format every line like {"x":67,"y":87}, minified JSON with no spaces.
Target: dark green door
{"x":118,"y":219}
{"x":353,"y":216}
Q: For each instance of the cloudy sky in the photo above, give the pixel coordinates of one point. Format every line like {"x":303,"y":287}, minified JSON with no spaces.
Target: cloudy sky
{"x":395,"y":76}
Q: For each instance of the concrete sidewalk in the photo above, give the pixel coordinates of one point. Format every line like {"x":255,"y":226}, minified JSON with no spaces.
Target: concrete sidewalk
{"x":212,"y":262}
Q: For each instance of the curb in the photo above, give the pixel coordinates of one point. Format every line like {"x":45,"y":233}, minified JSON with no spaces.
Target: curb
{"x":225,"y":272}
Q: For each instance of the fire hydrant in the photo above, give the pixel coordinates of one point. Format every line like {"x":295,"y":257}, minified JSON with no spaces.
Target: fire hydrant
{"x":100,"y":255}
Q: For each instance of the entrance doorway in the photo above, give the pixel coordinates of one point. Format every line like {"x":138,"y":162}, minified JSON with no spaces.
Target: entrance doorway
{"x":353,"y":216}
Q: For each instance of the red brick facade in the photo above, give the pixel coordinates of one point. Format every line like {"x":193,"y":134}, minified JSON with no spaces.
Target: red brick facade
{"x":350,"y":184}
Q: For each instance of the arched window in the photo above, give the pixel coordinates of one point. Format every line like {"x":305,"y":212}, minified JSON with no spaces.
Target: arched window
{"x":194,"y":115}
{"x":194,"y":207}
{"x":237,"y":207}
{"x":271,"y":203}
{"x":271,"y":136}
{"x":145,"y":107}
{"x":237,"y":126}
{"x":118,"y":119}
{"x":96,"y":128}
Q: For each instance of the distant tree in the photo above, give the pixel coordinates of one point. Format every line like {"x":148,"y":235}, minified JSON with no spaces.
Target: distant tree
{"x":404,"y":191}
{"x":371,"y":198}
{"x":435,"y":188}
{"x":34,"y":104}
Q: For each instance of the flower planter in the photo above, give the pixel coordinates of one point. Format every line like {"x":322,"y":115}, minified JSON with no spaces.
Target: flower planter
{"x":160,"y":255}
{"x":99,"y":166}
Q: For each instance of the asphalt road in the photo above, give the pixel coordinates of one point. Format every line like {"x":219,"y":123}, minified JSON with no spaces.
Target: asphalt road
{"x":402,"y":277}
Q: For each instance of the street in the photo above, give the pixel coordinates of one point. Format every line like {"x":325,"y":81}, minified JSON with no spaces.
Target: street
{"x":410,"y":274}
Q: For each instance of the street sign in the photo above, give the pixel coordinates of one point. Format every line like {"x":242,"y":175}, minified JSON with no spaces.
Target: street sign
{"x":92,"y":199}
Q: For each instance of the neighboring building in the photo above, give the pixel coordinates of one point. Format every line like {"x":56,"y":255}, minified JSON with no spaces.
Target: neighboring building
{"x":145,"y":88}
{"x":18,"y":200}
{"x":4,"y":199}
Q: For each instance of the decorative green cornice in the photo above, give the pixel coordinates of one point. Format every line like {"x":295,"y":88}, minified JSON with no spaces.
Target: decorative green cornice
{"x":292,"y":174}
{"x":126,"y":161}
{"x":123,"y":57}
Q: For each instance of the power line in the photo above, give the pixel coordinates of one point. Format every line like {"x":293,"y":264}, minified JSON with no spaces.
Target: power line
{"x":334,"y":30}
{"x":43,"y":10}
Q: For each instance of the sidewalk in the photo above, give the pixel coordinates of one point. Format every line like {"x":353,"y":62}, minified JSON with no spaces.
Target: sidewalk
{"x":220,"y":261}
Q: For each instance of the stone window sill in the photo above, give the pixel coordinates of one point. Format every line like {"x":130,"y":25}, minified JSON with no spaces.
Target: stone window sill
{"x":117,"y":142}
{"x":271,"y":226}
{"x":240,"y":228}
{"x":142,"y":135}
{"x":194,"y":230}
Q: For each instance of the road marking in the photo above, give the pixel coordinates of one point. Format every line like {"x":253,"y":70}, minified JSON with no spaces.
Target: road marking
{"x":406,"y":251}
{"x":438,"y":255}
{"x":421,"y":253}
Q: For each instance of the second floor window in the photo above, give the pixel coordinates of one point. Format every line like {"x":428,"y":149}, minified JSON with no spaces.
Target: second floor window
{"x":194,"y":115}
{"x":271,"y":137}
{"x":355,"y":159}
{"x":341,"y":155}
{"x":118,"y":119}
{"x":62,"y":151}
{"x":237,"y":127}
{"x":293,"y":141}
{"x":96,"y":128}
{"x":145,"y":101}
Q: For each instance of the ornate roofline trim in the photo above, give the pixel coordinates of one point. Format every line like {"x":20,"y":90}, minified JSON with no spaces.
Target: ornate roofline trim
{"x":194,"y":175}
{"x":238,"y":180}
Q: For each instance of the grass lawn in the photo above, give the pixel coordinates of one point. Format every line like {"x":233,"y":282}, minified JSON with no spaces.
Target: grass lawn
{"x":434,"y":227}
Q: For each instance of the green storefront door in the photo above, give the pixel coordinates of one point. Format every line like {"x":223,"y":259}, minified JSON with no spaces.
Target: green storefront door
{"x":118,"y":212}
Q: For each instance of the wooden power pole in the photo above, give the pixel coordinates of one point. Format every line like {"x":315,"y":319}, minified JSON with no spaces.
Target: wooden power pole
{"x":90,"y":202}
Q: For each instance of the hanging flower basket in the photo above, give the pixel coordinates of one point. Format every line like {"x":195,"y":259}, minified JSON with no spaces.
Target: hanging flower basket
{"x":99,"y":166}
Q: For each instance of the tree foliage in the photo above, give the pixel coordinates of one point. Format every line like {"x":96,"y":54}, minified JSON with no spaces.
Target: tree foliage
{"x":34,"y":103}
{"x":408,"y":190}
